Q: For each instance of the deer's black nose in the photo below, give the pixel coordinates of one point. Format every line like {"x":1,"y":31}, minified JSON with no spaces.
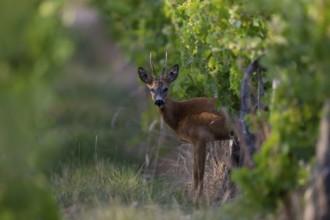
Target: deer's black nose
{"x":159,"y":103}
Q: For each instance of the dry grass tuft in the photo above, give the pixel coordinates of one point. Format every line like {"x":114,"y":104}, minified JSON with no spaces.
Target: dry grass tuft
{"x":177,"y":166}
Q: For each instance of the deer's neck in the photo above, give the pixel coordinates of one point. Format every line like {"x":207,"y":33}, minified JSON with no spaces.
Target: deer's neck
{"x":170,"y":113}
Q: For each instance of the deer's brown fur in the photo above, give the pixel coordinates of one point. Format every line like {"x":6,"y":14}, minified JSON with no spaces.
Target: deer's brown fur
{"x":195,"y":121}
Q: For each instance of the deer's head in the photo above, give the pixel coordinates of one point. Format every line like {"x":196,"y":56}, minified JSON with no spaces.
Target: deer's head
{"x":159,"y":85}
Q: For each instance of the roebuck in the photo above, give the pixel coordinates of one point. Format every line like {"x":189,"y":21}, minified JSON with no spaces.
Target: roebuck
{"x":195,"y":121}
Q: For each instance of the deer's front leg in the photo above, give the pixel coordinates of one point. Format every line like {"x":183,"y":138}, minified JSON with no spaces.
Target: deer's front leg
{"x":198,"y":169}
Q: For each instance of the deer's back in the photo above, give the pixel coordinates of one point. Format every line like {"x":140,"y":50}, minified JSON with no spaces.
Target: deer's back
{"x":202,"y":121}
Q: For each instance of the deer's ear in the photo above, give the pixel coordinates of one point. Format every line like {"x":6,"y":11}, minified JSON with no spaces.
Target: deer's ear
{"x":173,"y":73}
{"x":145,"y":76}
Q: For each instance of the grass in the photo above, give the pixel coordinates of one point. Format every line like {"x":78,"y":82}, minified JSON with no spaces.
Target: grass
{"x":116,"y":160}
{"x":119,"y":192}
{"x":105,"y":188}
{"x":101,"y":183}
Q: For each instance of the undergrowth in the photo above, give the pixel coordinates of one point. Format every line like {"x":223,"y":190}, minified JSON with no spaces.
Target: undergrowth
{"x":104,"y":184}
{"x":111,"y":163}
{"x":104,"y":190}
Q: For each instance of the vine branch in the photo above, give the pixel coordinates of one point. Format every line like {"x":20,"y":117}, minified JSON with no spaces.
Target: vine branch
{"x":248,"y":139}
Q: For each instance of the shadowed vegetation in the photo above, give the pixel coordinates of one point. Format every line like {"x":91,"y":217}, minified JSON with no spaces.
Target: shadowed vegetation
{"x":80,"y":140}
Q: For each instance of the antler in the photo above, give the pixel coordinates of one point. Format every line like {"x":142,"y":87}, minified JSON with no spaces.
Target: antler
{"x":152,"y":66}
{"x":163,"y":71}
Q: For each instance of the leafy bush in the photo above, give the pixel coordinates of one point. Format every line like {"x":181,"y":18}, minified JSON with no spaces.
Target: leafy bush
{"x":32,"y":47}
{"x":296,"y":58}
{"x":217,"y":40}
{"x":141,"y":28}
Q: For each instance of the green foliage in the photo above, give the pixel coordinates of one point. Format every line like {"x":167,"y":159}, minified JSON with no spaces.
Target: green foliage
{"x":217,"y":39}
{"x":141,"y":28}
{"x":27,"y":197}
{"x":296,"y":58}
{"x":32,"y":47}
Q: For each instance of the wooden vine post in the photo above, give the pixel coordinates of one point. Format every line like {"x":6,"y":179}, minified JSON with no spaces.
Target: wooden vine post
{"x":318,"y":195}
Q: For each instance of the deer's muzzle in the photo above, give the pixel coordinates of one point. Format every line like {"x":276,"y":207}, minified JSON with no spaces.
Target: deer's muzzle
{"x":160,"y":103}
